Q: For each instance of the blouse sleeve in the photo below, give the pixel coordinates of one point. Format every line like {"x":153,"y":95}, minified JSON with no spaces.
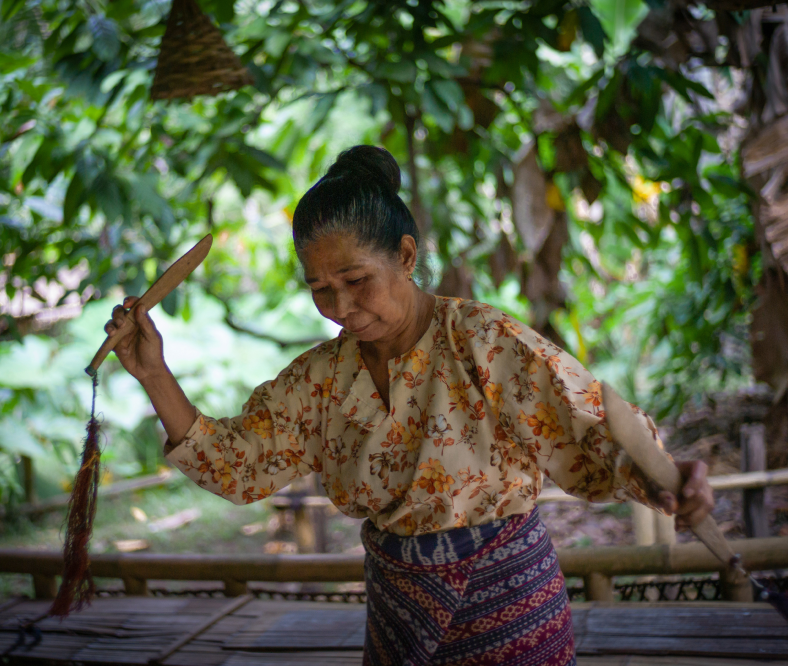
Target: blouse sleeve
{"x":550,"y":410}
{"x":275,"y":439}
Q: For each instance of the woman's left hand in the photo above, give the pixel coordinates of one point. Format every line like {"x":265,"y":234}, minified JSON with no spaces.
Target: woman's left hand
{"x":696,"y":499}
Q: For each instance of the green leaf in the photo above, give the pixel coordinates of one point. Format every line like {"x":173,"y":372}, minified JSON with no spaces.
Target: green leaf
{"x":592,"y":29}
{"x":437,"y":109}
{"x":106,"y":40}
{"x":404,"y":71}
{"x":15,"y":438}
{"x":448,"y":91}
{"x":26,"y":149}
{"x":75,"y":196}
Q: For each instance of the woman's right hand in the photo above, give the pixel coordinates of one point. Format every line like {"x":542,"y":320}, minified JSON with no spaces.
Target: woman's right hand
{"x":141,"y":351}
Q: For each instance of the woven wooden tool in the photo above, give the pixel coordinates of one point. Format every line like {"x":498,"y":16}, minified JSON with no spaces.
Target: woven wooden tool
{"x":194,"y":59}
{"x":172,"y":277}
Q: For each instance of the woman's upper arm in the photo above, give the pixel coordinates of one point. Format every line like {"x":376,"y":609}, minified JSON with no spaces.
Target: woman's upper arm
{"x":275,"y":439}
{"x":550,"y":407}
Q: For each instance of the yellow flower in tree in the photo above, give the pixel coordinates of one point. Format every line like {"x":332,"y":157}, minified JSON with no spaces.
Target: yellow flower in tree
{"x":260,"y":423}
{"x":420,"y":360}
{"x":545,"y":422}
{"x":645,"y":190}
{"x":493,"y":392}
{"x":434,"y":478}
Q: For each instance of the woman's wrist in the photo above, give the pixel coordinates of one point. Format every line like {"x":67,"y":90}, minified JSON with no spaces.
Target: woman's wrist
{"x":157,"y":380}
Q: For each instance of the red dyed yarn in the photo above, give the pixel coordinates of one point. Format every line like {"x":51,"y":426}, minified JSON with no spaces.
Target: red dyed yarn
{"x":78,"y":588}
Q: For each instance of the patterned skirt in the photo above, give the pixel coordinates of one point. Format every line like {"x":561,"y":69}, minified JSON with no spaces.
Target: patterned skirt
{"x":491,"y":594}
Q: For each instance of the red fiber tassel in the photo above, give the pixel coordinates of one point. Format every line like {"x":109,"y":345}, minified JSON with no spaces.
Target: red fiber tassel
{"x":78,"y":588}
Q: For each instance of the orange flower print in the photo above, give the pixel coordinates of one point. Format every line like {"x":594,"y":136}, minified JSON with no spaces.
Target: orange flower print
{"x":458,"y":395}
{"x":420,"y":361}
{"x":227,"y":477}
{"x":434,"y":478}
{"x":545,"y":422}
{"x":507,"y":328}
{"x":273,"y":463}
{"x":593,"y":394}
{"x":206,"y":428}
{"x":493,"y":392}
{"x":324,"y":389}
{"x":490,"y":502}
{"x":334,"y":448}
{"x":260,"y":423}
{"x":413,"y":435}
{"x":459,"y":340}
{"x":406,"y":526}
{"x":341,"y":497}
{"x":394,"y":435}
{"x":381,"y":463}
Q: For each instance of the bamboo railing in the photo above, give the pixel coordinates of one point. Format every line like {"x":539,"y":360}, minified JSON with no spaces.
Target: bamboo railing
{"x":596,"y":565}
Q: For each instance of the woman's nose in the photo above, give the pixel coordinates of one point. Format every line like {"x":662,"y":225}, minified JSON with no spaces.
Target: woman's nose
{"x":343,"y":304}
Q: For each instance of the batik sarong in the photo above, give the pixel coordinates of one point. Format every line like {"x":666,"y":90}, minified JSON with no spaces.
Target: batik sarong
{"x":491,"y":594}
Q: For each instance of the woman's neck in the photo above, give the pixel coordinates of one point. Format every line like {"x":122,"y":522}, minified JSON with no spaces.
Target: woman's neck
{"x":381,"y":351}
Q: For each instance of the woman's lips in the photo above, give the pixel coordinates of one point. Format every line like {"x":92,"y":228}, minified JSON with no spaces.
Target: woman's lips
{"x":360,"y":330}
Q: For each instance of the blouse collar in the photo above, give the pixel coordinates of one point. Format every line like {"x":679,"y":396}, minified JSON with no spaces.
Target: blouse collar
{"x":363,"y":406}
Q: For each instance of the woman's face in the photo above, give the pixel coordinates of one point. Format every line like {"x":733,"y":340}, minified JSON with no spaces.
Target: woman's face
{"x":361,"y":289}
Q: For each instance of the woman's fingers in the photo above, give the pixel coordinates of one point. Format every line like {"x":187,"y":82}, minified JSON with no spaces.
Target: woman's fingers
{"x":144,"y":322}
{"x":667,"y":502}
{"x":697,"y":497}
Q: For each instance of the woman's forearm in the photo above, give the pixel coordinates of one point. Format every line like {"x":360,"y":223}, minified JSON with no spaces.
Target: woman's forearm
{"x":172,"y":406}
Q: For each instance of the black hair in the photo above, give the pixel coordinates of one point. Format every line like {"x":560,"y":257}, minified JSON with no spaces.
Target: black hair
{"x":358,"y":196}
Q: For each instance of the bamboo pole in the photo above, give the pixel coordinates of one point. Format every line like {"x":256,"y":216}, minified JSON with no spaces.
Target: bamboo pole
{"x":757,"y":554}
{"x":743,"y":481}
{"x":552,"y":494}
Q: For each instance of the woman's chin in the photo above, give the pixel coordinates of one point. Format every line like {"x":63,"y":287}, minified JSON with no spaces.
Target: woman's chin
{"x":366,"y":333}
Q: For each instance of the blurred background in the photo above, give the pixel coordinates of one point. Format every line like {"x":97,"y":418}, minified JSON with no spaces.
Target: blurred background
{"x":611,"y":173}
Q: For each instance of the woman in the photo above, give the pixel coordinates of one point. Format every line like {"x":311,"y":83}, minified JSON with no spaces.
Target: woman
{"x":432,"y":417}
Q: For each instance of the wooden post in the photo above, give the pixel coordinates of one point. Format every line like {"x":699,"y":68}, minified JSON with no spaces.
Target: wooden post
{"x":598,"y":587}
{"x":735,"y":586}
{"x":643,"y":522}
{"x":137,"y":587}
{"x":235,"y":588}
{"x":665,"y":528}
{"x":44,"y":587}
{"x":652,"y":526}
{"x":753,"y":459}
{"x":28,"y":479}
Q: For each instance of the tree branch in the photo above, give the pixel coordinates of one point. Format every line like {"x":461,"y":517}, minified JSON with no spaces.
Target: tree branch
{"x":228,"y":319}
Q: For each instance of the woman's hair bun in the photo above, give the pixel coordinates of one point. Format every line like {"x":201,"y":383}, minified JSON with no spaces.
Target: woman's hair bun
{"x":358,"y":196}
{"x":368,"y":161}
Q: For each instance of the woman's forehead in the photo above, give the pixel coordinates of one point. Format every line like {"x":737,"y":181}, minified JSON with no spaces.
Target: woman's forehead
{"x":335,"y":255}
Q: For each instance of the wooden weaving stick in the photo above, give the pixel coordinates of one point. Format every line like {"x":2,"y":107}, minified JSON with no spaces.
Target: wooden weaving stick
{"x":171,"y":278}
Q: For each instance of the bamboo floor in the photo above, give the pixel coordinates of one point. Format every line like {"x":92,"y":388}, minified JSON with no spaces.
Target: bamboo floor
{"x":245,"y":631}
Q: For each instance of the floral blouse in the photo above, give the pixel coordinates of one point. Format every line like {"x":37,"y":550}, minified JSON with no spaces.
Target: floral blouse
{"x":481,"y":406}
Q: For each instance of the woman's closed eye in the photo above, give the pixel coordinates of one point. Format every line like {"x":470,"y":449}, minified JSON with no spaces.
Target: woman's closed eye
{"x":356,"y":281}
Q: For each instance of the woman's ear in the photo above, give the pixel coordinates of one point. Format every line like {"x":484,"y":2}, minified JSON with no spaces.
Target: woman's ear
{"x":408,"y":252}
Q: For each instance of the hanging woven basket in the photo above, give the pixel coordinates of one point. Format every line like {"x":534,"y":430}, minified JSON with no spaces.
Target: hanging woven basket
{"x":194,"y":59}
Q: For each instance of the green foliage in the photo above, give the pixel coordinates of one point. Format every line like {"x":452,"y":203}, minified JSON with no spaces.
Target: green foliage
{"x":99,"y":183}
